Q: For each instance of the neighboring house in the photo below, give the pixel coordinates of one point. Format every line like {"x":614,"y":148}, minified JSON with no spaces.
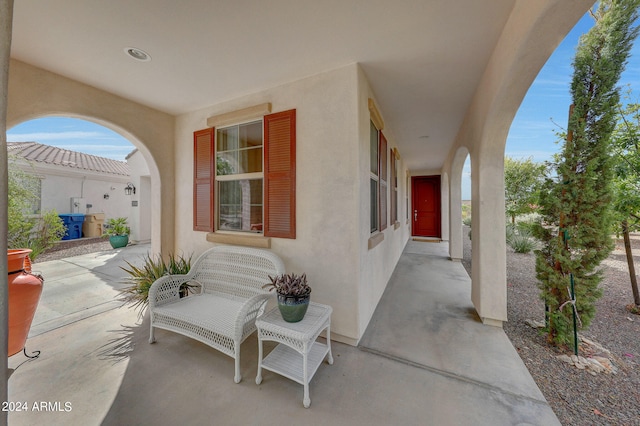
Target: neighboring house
{"x":74,"y":182}
{"x":330,"y":132}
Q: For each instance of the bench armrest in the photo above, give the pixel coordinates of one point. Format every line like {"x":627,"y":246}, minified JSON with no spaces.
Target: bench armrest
{"x":166,"y":289}
{"x":251,"y":309}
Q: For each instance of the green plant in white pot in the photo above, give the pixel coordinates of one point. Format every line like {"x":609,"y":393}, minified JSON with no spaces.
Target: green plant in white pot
{"x":293,"y":295}
{"x":118,"y":232}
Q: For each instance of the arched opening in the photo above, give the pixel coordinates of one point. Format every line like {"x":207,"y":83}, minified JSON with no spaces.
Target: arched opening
{"x":86,"y":168}
{"x":90,"y":172}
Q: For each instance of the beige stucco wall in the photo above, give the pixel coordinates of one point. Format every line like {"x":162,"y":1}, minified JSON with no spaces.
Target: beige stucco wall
{"x":35,"y":93}
{"x":331,"y":186}
{"x":326,"y":243}
{"x":376,"y":264}
{"x":139,"y":204}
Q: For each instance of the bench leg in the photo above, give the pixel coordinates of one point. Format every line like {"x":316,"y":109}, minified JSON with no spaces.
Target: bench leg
{"x":152,"y":337}
{"x":237,"y":377}
{"x":259,"y":375}
{"x":330,"y":356}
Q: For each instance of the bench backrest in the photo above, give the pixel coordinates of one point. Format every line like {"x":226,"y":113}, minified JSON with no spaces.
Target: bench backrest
{"x":236,"y":271}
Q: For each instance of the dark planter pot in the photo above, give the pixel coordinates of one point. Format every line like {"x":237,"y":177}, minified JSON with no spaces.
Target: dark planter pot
{"x":293,"y":308}
{"x":118,"y":241}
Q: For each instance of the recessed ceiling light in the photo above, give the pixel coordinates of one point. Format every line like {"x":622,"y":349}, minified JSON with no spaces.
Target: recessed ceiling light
{"x":137,"y":54}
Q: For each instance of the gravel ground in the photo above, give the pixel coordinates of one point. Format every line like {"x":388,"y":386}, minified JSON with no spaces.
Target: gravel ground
{"x":576,"y":396}
{"x":69,"y":248}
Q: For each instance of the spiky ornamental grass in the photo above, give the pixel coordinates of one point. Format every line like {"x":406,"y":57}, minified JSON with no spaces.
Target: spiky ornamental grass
{"x":576,"y":206}
{"x":140,"y":278}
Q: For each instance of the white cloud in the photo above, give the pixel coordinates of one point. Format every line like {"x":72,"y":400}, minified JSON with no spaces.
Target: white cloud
{"x":98,"y":147}
{"x":53,"y":136}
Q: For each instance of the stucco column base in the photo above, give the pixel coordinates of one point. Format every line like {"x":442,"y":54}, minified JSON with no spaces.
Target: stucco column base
{"x":492,"y":322}
{"x":455,"y":259}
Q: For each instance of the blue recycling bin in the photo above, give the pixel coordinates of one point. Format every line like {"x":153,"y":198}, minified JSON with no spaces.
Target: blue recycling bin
{"x":73,"y":223}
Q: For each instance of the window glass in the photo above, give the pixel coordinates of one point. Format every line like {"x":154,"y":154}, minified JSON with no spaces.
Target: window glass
{"x":239,"y":149}
{"x":240,"y":178}
{"x":374,"y":205}
{"x":240,"y":204}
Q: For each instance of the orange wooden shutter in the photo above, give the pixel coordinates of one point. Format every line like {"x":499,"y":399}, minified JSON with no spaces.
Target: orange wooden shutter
{"x":383,"y":182}
{"x":203,"y":179}
{"x":280,"y":174}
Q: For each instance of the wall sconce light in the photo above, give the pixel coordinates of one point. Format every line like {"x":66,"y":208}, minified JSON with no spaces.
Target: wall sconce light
{"x":129,"y":189}
{"x":106,"y":196}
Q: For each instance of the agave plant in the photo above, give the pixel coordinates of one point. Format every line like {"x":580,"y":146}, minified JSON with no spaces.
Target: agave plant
{"x":289,"y":285}
{"x":116,"y":227}
{"x":140,"y":278}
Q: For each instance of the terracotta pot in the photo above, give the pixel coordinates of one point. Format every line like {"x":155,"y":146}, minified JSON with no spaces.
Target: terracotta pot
{"x":24,"y":293}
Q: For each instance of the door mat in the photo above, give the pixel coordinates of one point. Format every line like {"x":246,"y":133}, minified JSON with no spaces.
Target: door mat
{"x":427,"y":240}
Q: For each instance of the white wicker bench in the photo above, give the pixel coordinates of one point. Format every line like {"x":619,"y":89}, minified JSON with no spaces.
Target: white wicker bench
{"x":223,"y":312}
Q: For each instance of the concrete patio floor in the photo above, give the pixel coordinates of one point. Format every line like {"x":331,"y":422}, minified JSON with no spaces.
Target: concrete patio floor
{"x":425,"y":359}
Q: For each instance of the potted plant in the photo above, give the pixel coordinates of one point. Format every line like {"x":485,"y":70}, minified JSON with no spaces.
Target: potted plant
{"x":293,"y":295}
{"x":140,"y":278}
{"x":118,"y":232}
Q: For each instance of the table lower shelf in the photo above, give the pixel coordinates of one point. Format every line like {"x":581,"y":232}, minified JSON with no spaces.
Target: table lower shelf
{"x":289,"y":363}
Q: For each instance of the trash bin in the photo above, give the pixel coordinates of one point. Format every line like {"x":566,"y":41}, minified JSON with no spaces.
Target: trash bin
{"x":73,"y":223}
{"x":92,"y":225}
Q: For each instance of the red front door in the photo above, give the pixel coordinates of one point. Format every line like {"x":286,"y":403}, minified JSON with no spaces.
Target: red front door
{"x":426,"y":206}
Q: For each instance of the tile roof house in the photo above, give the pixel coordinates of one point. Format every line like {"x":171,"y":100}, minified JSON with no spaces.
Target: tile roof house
{"x":330,"y":132}
{"x":51,"y":155}
{"x":74,"y":182}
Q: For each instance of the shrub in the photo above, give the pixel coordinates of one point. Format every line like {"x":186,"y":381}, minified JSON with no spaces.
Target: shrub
{"x":522,"y":243}
{"x":520,"y":238}
{"x":26,"y":229}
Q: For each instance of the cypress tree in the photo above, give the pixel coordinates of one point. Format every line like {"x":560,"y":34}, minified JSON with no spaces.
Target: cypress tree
{"x":576,"y":204}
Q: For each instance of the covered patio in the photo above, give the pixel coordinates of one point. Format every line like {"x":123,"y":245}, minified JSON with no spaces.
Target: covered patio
{"x":374,"y":94}
{"x":425,"y":359}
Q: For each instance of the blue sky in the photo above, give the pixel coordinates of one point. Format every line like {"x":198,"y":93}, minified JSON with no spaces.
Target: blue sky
{"x":545,"y":109}
{"x":542,"y":113}
{"x":74,"y":135}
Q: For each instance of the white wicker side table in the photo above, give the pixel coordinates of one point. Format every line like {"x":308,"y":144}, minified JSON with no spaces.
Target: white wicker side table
{"x":298,"y":355}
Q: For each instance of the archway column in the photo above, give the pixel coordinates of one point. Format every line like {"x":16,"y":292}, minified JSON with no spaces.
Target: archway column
{"x":445,"y":196}
{"x":488,"y":245}
{"x":6,"y":19}
{"x":455,"y":204}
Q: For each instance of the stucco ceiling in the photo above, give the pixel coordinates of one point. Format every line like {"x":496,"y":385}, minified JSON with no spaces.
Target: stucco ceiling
{"x":424,"y":58}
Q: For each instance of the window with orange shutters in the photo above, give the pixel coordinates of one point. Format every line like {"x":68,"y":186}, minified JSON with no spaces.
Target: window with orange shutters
{"x":260,"y":187}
